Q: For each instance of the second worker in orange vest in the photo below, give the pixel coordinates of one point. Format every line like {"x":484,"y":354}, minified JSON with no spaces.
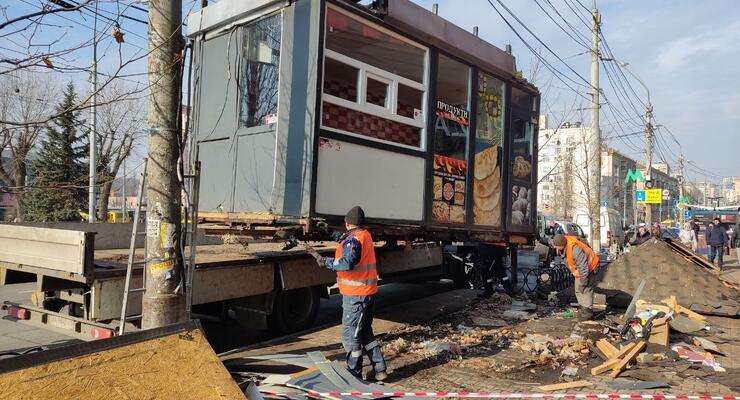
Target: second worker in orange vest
{"x":582,"y":263}
{"x":357,"y":278}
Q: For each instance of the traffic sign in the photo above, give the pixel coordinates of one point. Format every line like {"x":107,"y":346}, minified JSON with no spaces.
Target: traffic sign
{"x":681,"y":206}
{"x":666,"y":192}
{"x":687,"y":214}
{"x":649,"y":196}
{"x":605,"y":203}
{"x":675,"y":203}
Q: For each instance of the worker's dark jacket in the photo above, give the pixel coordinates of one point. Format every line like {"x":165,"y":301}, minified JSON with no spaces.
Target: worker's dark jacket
{"x":640,"y":239}
{"x":717,"y":236}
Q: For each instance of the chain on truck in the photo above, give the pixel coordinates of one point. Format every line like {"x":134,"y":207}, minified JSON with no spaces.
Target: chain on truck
{"x":301,"y":110}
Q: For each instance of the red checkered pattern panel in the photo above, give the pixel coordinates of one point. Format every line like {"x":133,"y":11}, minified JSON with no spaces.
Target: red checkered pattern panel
{"x":342,"y":118}
{"x":340,"y":89}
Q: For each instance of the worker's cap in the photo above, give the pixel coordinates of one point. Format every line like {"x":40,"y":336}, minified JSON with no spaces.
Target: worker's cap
{"x":656,"y":225}
{"x":355,"y":216}
{"x":559,"y":240}
{"x":717,"y":219}
{"x":642,"y":225}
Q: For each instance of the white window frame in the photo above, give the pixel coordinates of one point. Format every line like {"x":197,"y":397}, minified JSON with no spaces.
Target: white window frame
{"x":390,"y":112}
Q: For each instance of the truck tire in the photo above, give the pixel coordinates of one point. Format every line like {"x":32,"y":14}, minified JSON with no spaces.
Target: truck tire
{"x":295,"y":310}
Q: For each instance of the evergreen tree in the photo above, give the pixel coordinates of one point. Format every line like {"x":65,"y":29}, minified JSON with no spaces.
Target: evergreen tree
{"x":58,"y":192}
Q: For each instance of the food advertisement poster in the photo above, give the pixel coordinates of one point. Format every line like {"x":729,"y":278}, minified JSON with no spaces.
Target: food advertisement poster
{"x":487,"y":190}
{"x":448,"y":193}
{"x":521,"y":205}
{"x":523,"y":133}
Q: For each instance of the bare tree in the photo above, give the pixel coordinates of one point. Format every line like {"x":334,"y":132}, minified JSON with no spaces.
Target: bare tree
{"x":24,"y":96}
{"x":120,"y":127}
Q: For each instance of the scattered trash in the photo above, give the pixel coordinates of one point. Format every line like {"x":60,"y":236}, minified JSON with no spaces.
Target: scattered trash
{"x":517,"y":314}
{"x":523,"y":306}
{"x":488,"y":322}
{"x":707,"y":345}
{"x":570,"y":371}
{"x":684,"y":324}
{"x":568,"y":314}
{"x":553,"y":296}
{"x":686,"y":352}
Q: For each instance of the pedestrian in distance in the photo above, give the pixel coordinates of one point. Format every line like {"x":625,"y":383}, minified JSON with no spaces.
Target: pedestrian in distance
{"x":357,"y":277}
{"x":695,"y":226}
{"x":687,"y":236}
{"x":717,"y":240}
{"x":582,"y":263}
{"x":642,"y":236}
{"x":656,"y":231}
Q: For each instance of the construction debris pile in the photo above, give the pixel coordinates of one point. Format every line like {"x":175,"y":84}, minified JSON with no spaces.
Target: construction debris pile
{"x":669,"y":271}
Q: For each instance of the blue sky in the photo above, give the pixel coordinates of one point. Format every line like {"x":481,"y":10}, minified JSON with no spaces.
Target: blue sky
{"x":685,"y":51}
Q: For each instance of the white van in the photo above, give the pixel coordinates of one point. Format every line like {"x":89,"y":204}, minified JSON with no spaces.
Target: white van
{"x":611,"y":225}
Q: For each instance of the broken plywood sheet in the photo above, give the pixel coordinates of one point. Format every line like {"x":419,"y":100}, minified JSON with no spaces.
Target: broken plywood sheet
{"x":666,"y":273}
{"x":169,"y":363}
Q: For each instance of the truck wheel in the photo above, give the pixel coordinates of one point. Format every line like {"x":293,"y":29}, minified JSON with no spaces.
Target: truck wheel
{"x":295,"y":310}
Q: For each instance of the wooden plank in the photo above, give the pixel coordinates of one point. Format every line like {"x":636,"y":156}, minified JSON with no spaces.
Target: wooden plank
{"x":611,"y":351}
{"x":627,"y":358}
{"x":609,"y":364}
{"x":673,"y":304}
{"x":563,"y":386}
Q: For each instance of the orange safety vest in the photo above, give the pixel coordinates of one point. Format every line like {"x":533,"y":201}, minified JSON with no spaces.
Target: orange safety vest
{"x":362,"y":279}
{"x":571,"y":241}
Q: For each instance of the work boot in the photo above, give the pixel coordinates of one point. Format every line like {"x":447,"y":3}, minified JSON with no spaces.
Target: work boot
{"x":379,"y":376}
{"x":585,"y":314}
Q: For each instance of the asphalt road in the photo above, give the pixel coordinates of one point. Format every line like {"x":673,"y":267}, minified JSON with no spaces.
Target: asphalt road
{"x":16,"y":336}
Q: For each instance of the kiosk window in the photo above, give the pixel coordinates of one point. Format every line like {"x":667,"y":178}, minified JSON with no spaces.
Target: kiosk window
{"x":259,"y":72}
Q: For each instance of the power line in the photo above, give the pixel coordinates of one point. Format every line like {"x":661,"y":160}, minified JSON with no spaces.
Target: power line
{"x":575,"y":39}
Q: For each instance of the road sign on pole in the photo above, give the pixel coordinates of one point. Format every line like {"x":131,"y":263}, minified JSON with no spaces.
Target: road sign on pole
{"x":675,"y":203}
{"x":640,"y":196}
{"x":605,"y":203}
{"x":687,"y":214}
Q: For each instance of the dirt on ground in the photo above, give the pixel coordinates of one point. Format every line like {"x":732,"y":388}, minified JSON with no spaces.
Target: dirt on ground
{"x":486,"y":347}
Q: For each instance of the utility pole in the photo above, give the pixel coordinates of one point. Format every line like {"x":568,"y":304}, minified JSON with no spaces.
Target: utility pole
{"x":649,"y":156}
{"x":595,"y":162}
{"x":162,"y":304}
{"x":93,"y":124}
{"x":681,"y":177}
{"x":648,"y":143}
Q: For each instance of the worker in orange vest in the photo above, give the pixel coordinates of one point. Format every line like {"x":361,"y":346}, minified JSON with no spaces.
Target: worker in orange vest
{"x":357,"y":278}
{"x":582,"y":263}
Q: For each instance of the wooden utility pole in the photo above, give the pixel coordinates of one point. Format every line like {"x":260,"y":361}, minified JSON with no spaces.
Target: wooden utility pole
{"x":595,"y":142}
{"x":162,"y":304}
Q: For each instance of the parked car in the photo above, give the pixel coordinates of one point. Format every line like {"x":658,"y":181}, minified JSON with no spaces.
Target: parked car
{"x":544,"y":233}
{"x":611,"y":225}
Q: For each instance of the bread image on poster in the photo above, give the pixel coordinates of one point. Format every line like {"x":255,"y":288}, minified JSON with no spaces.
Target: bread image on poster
{"x":487,"y":189}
